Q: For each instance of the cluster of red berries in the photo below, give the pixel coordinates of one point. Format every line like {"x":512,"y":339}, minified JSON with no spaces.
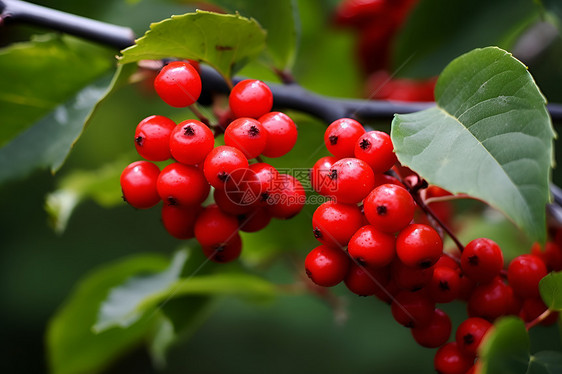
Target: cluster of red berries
{"x":370,"y":242}
{"x":246,"y":195}
{"x":377,"y":23}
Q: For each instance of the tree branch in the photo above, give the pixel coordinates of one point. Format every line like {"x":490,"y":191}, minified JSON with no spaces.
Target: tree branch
{"x":286,"y":96}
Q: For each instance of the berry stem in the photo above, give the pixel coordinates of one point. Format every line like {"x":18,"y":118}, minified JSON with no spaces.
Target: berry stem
{"x":538,"y":320}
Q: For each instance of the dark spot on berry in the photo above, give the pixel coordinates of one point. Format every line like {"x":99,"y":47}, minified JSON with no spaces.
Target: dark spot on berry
{"x":124,"y":198}
{"x":220,"y":247}
{"x":264,"y":196}
{"x":333,"y":174}
{"x":361,"y":261}
{"x":364,"y":144}
{"x":317,"y":233}
{"x":172,"y":201}
{"x":188,"y":131}
{"x":444,"y":286}
{"x":139,"y":140}
{"x":410,"y":324}
{"x":416,"y":288}
{"x":223,"y":176}
{"x":381,"y":210}
{"x":308,"y":273}
{"x":473,"y":260}
{"x":468,"y":339}
{"x":425,"y":264}
{"x":333,"y":139}
{"x":253,"y":131}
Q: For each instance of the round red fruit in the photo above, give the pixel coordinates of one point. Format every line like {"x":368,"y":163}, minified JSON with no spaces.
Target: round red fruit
{"x":287,"y":198}
{"x":246,"y":134}
{"x":412,"y":309}
{"x":180,"y":184}
{"x":376,"y":149}
{"x":250,"y":98}
{"x":340,"y":137}
{"x":436,"y":333}
{"x":470,"y":334}
{"x":179,"y":221}
{"x":364,"y":281}
{"x":320,"y":176}
{"x":419,"y":245}
{"x":138,"y":184}
{"x":326,"y":266}
{"x":389,"y":208}
{"x":191,"y":141}
{"x":334,"y":223}
{"x":450,"y":360}
{"x":221,"y":162}
{"x":213,"y":226}
{"x":353,"y":180}
{"x":524,"y":273}
{"x":482,"y":260}
{"x":281,"y":134}
{"x":178,"y":84}
{"x":152,"y":138}
{"x":371,"y":247}
{"x":224,"y":251}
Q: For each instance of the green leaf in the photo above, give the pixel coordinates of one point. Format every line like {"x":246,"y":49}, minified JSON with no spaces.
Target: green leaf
{"x":506,"y":348}
{"x":224,"y":41}
{"x":101,"y":185}
{"x":490,"y":136}
{"x":39,"y":75}
{"x":437,"y":31}
{"x":120,"y":307}
{"x":278,"y":18}
{"x":71,"y":345}
{"x":551,"y":290}
{"x":546,"y":362}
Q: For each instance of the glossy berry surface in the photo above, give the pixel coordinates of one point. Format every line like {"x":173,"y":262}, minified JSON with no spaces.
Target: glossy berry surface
{"x":408,"y":278}
{"x":326,"y":266}
{"x":287,"y":198}
{"x":412,"y":309}
{"x":419,"y":245}
{"x":152,"y":138}
{"x":180,"y":184}
{"x":470,"y":333}
{"x":364,"y":281}
{"x":179,"y":221}
{"x":214,"y":227}
{"x":371,"y":247}
{"x":490,"y":300}
{"x":524,"y":273}
{"x":376,"y":149}
{"x":450,"y":360}
{"x":138,"y":184}
{"x":482,"y":260}
{"x":178,"y":84}
{"x":353,"y":180}
{"x":445,"y":284}
{"x":341,"y":135}
{"x":247,"y":135}
{"x":281,"y":134}
{"x":266,"y":176}
{"x":250,"y":98}
{"x":191,"y":141}
{"x":221,"y":162}
{"x":389,"y":207}
{"x":226,"y":251}
{"x":335,"y":223}
{"x":436,"y":333}
{"x":320,"y":175}
{"x":255,"y":220}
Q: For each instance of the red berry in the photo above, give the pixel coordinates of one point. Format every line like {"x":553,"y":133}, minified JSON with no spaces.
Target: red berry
{"x":387,"y":293}
{"x":551,"y":256}
{"x":255,"y":220}
{"x":532,"y":308}
{"x":445,"y":284}
{"x":179,"y":221}
{"x":340,"y":137}
{"x":250,"y":98}
{"x":221,"y":162}
{"x":138,"y":184}
{"x":524,"y":273}
{"x":470,"y":333}
{"x":482,"y":260}
{"x":326,"y":266}
{"x":353,"y":180}
{"x":334,"y":223}
{"x":180,"y":184}
{"x":214,"y":227}
{"x":419,"y":245}
{"x":412,"y":309}
{"x":152,"y":138}
{"x":436,"y":333}
{"x":227,"y":204}
{"x":246,"y":134}
{"x":178,"y":84}
{"x":447,"y":261}
{"x":389,"y":208}
{"x":376,"y":149}
{"x":281,"y":134}
{"x":371,"y":247}
{"x":191,"y":141}
{"x":320,"y":176}
{"x":450,"y":360}
{"x":408,"y":278}
{"x":287,"y":198}
{"x":364,"y":281}
{"x":266,"y":175}
{"x":224,"y":251}
{"x":490,"y":300}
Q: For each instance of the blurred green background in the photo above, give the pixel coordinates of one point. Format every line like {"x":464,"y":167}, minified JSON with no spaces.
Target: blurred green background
{"x":295,"y":333}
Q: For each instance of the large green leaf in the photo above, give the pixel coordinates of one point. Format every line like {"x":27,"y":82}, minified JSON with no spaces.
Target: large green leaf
{"x":490,"y":136}
{"x":278,"y":18}
{"x":224,"y":41}
{"x":72,"y":346}
{"x":437,"y":31}
{"x":39,"y":75}
{"x":506,"y":348}
{"x":551,"y":290}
